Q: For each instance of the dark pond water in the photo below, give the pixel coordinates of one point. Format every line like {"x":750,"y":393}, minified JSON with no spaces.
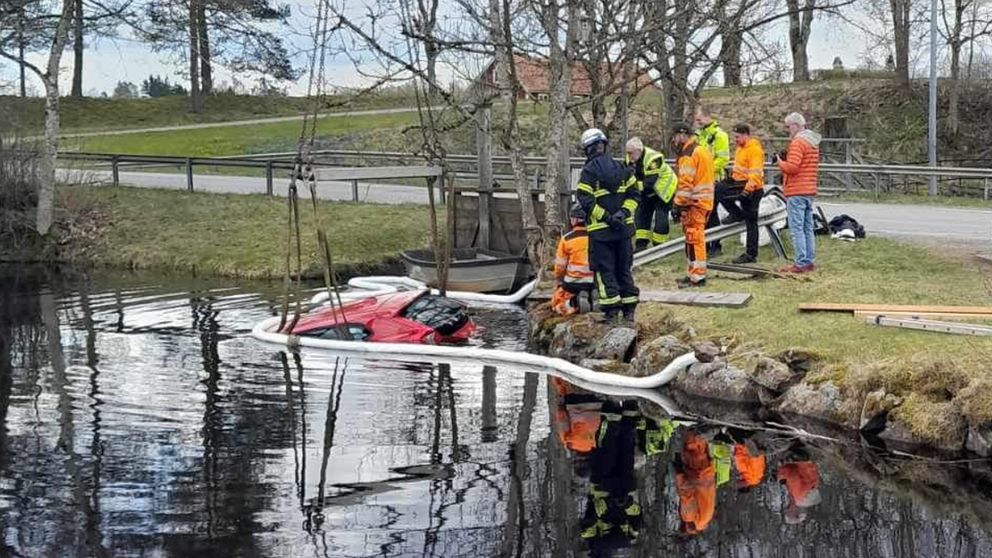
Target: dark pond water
{"x":137,"y":418}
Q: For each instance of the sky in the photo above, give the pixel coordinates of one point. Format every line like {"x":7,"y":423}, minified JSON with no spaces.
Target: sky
{"x":111,"y":60}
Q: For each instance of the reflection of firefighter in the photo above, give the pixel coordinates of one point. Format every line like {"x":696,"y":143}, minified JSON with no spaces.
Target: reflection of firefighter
{"x":750,"y":464}
{"x":801,"y":478}
{"x":577,"y":417}
{"x":613,"y":513}
{"x":695,"y":482}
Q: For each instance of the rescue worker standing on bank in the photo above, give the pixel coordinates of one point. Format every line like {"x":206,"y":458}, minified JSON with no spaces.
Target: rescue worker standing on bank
{"x":745,"y":185}
{"x":711,"y":136}
{"x":607,"y":192}
{"x":693,"y":200}
{"x":657,"y":184}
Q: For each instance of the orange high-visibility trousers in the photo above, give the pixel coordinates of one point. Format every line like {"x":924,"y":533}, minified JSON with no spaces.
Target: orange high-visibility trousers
{"x":694,"y":226}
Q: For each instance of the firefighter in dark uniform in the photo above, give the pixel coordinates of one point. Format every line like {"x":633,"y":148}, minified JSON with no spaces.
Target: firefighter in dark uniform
{"x":608,"y":193}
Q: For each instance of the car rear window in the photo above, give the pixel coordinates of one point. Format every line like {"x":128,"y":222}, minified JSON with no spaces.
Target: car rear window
{"x":444,"y":315}
{"x":358,"y":333}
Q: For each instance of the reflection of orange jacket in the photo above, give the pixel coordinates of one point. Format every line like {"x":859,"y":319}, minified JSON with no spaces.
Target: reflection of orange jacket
{"x":799,"y":478}
{"x":696,"y":485}
{"x":578,"y":427}
{"x":695,"y":171}
{"x":751,"y":468}
{"x":749,"y":166}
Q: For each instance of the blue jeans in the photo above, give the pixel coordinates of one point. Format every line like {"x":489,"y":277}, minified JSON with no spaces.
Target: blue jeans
{"x":800,"y":211}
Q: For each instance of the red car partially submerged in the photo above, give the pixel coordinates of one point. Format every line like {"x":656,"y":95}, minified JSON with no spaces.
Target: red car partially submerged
{"x":403,"y":317}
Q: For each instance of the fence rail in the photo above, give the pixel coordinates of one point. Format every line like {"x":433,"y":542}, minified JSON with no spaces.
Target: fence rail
{"x":835,"y":177}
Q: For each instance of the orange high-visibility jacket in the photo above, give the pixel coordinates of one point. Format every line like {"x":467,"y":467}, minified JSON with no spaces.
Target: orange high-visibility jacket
{"x":578,"y":427}
{"x":751,"y":468}
{"x":749,"y":166}
{"x":572,"y":257}
{"x":696,"y":485}
{"x":696,"y":176}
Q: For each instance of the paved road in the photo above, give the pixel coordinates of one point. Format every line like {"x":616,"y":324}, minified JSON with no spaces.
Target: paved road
{"x":908,"y":222}
{"x":251,"y":122}
{"x":916,"y":222}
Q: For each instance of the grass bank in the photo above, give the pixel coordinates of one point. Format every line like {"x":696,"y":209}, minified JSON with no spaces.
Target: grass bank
{"x":227,"y":235}
{"x":929,"y":370}
{"x":94,"y":114}
{"x":240,"y":140}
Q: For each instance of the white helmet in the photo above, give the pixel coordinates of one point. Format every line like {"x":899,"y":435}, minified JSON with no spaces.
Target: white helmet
{"x":592,"y":136}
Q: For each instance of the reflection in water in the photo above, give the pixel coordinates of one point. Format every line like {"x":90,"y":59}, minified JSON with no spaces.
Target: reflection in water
{"x":138,"y":419}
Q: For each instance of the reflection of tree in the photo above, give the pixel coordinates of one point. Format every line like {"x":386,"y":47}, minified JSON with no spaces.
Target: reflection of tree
{"x":94,"y":519}
{"x":516,"y":519}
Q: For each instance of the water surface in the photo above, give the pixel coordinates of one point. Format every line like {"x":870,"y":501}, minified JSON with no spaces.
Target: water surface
{"x":137,"y":418}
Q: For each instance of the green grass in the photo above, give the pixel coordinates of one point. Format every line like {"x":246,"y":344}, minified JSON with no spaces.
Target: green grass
{"x":929,"y":368}
{"x":909,"y":199}
{"x":874,"y":270}
{"x":93,"y":114}
{"x":238,"y":140}
{"x":226,"y":235}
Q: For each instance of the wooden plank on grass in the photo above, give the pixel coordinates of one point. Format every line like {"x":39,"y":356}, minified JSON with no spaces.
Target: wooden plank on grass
{"x":752,"y":270}
{"x":925,"y":315}
{"x":686,"y":298}
{"x":931,"y":325}
{"x":885,"y":308}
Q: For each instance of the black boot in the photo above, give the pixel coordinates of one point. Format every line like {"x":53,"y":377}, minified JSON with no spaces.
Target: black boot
{"x":714,"y":248}
{"x":628,"y":313}
{"x":611,"y":315}
{"x":686,"y":283}
{"x":744,"y":259}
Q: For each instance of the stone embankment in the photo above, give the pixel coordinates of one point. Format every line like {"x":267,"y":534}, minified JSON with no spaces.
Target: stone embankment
{"x":729,"y":380}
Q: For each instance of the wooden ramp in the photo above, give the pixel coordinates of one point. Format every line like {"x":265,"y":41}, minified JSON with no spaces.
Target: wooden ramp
{"x":886,"y":308}
{"x":686,"y":298}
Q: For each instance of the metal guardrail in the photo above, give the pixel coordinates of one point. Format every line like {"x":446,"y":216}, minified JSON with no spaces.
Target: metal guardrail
{"x":466,"y":166}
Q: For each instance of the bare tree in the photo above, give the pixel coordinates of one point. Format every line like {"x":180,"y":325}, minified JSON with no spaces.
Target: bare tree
{"x":964,"y":22}
{"x":800,"y":27}
{"x":901,"y":29}
{"x":49,"y":76}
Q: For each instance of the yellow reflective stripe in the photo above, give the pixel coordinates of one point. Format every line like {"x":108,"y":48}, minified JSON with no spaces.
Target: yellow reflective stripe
{"x":598,"y":212}
{"x":687,"y":170}
{"x":630,"y":205}
{"x":601,"y":193}
{"x":643,"y":234}
{"x":596,"y":227}
{"x":628,"y":300}
{"x":583,"y":187}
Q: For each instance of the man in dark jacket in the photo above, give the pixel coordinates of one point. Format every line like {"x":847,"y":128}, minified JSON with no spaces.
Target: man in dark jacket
{"x":607,"y":192}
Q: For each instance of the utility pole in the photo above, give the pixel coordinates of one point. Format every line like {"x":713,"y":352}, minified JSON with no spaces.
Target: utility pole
{"x":932,"y":139}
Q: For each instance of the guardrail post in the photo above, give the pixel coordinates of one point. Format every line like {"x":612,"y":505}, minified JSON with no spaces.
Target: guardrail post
{"x":354,"y":191}
{"x":189,"y":174}
{"x":115,"y":172}
{"x":877,"y":185}
{"x":268,"y":178}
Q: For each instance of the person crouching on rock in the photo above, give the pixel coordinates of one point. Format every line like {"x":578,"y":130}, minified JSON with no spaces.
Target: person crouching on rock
{"x":572,"y":272}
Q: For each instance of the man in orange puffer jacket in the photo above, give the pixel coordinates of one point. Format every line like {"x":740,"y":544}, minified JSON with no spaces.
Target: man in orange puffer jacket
{"x":799,"y":175}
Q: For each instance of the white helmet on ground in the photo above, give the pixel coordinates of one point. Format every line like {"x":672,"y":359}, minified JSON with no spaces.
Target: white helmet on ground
{"x":592,"y":136}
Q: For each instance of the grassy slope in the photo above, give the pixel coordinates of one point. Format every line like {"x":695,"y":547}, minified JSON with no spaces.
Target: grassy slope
{"x":929,"y":369}
{"x":90,"y":114}
{"x":237,"y":140}
{"x":231,"y":235}
{"x":875,"y":271}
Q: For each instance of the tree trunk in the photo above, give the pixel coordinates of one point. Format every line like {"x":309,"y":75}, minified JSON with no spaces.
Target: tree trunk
{"x":206,"y":67}
{"x":510,"y":138}
{"x":730,"y":56}
{"x":561,"y":86}
{"x":953,"y":116}
{"x":900,"y":35}
{"x":46,"y":186}
{"x":800,"y":26}
{"x":196,"y":100}
{"x":77,"y":50}
{"x":20,"y":56}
